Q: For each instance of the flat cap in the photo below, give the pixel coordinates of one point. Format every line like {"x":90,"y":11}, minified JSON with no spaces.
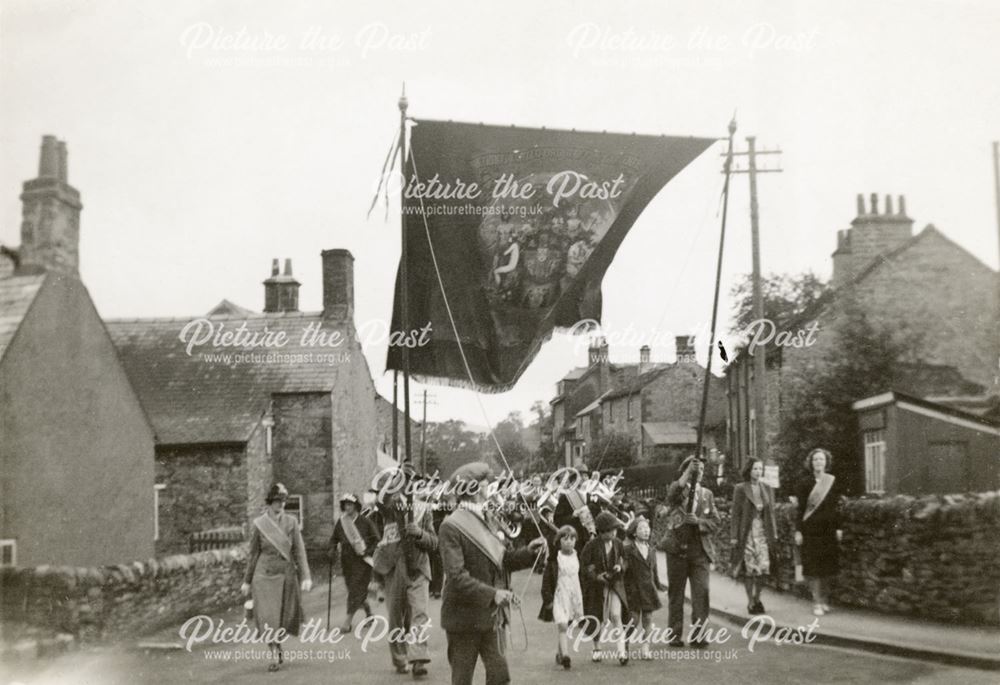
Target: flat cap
{"x":473,"y":471}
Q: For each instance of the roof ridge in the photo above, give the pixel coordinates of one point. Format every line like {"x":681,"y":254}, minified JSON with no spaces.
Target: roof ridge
{"x":214,"y":317}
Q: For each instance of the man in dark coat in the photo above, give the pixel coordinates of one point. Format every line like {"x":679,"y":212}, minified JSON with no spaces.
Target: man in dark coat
{"x":602,"y":567}
{"x":477,"y":567}
{"x":690,"y":550}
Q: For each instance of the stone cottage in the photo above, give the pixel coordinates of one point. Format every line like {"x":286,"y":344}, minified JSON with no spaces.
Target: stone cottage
{"x":240,"y":399}
{"x":76,"y":453}
{"x":923,"y":282}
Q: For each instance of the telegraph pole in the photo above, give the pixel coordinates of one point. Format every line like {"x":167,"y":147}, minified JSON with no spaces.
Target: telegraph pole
{"x":996,"y":189}
{"x":423,"y":433}
{"x":759,"y":354}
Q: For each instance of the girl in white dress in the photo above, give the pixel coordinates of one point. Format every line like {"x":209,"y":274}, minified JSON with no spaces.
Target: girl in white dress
{"x":562,"y":598}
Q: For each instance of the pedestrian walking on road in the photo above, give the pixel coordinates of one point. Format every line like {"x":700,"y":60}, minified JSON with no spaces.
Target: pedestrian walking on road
{"x":642,"y":582}
{"x":477,"y":568}
{"x":752,"y":533}
{"x":562,"y":596}
{"x":277,"y":572}
{"x":604,"y":598}
{"x":355,"y":538}
{"x":818,"y":532}
{"x":690,"y":549}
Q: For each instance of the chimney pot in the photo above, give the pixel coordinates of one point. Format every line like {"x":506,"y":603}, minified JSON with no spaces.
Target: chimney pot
{"x":861,"y":204}
{"x":274,"y":267}
{"x":874,"y":203}
{"x":888,"y":204}
{"x":902,"y":205}
{"x":288,"y":267}
{"x":48,"y":162}
{"x":62,"y":156}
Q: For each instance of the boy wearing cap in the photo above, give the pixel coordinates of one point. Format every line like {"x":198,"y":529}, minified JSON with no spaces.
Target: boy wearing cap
{"x":603,"y":563}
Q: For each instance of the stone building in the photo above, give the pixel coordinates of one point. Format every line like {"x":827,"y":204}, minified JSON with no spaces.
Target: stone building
{"x":656,"y":404}
{"x":288,"y":398}
{"x":924,"y":282}
{"x":76,"y":454}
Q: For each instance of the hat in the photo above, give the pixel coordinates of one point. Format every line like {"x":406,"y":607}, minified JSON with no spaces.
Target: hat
{"x":606,"y":521}
{"x":348,"y":497}
{"x":473,"y":471}
{"x":277,"y":492}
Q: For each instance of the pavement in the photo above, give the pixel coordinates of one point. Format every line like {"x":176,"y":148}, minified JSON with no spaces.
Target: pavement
{"x":845,"y":646}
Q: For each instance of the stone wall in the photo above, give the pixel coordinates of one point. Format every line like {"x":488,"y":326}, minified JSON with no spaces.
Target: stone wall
{"x":302,"y":457}
{"x":113,"y":603}
{"x":206,"y":488}
{"x":935,"y":557}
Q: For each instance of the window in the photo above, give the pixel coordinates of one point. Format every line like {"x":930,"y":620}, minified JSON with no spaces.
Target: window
{"x":611,"y":411}
{"x":156,"y":509}
{"x":874,"y":461}
{"x":628,"y":408}
{"x":294,"y":507}
{"x":8,"y":553}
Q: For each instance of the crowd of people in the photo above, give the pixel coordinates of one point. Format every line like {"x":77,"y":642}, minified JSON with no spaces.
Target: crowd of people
{"x":590,"y":542}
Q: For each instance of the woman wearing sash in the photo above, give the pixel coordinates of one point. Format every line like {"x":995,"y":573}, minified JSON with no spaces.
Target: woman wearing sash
{"x":275,"y":568}
{"x":356,"y":537}
{"x":752,"y":532}
{"x":819,"y":528}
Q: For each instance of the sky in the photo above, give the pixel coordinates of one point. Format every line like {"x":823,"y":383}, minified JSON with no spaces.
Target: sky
{"x":207,"y":138}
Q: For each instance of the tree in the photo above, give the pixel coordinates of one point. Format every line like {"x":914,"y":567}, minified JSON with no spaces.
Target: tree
{"x":612,"y":451}
{"x":786,"y":296}
{"x":865,"y":361}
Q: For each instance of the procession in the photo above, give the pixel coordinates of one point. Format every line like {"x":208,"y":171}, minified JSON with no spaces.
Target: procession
{"x":517,"y":343}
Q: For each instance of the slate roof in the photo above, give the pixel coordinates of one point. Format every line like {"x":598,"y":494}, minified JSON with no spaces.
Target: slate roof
{"x":16,"y":295}
{"x":202,"y":397}
{"x":670,"y":433}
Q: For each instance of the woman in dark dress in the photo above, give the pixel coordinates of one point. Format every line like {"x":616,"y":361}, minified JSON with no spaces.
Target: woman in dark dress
{"x":277,"y":572}
{"x":356,"y":537}
{"x":818,"y":532}
{"x":752,"y":533}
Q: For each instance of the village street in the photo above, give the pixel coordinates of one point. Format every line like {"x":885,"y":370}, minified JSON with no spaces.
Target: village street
{"x":530,"y":656}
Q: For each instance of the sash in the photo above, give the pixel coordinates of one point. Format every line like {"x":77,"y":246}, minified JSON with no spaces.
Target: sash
{"x":353,"y":536}
{"x":818,"y":494}
{"x":272,"y":533}
{"x":479,"y":534}
{"x":388,"y":549}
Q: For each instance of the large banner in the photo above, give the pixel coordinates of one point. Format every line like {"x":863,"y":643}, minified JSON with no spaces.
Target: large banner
{"x":524,"y":223}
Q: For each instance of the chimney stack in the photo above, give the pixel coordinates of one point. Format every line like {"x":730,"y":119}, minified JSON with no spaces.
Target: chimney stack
{"x":50,"y":226}
{"x":871,"y":235}
{"x":281,"y":292}
{"x":685,"y":349}
{"x":643,"y":359}
{"x":338,"y":284}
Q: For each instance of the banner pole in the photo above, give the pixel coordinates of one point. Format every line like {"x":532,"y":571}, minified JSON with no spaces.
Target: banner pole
{"x":404,"y":294}
{"x":715,"y":306}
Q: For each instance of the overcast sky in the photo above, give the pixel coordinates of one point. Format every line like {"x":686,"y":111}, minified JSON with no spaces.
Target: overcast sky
{"x":207,"y":138}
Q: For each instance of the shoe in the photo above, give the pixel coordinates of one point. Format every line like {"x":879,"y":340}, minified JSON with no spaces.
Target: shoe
{"x":818,"y":610}
{"x":646,"y":655}
{"x":752,"y":609}
{"x":623,"y":658}
{"x":402,"y":669}
{"x":759,"y":607}
{"x":698,"y":644}
{"x":272,"y":668}
{"x":345,"y":629}
{"x":675,"y":642}
{"x":596,"y":656}
{"x":566,"y":663}
{"x":826,"y":608}
{"x":558,"y":659}
{"x":419,"y":669}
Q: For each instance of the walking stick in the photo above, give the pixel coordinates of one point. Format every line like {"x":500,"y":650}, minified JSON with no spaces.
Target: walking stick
{"x":329,"y":592}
